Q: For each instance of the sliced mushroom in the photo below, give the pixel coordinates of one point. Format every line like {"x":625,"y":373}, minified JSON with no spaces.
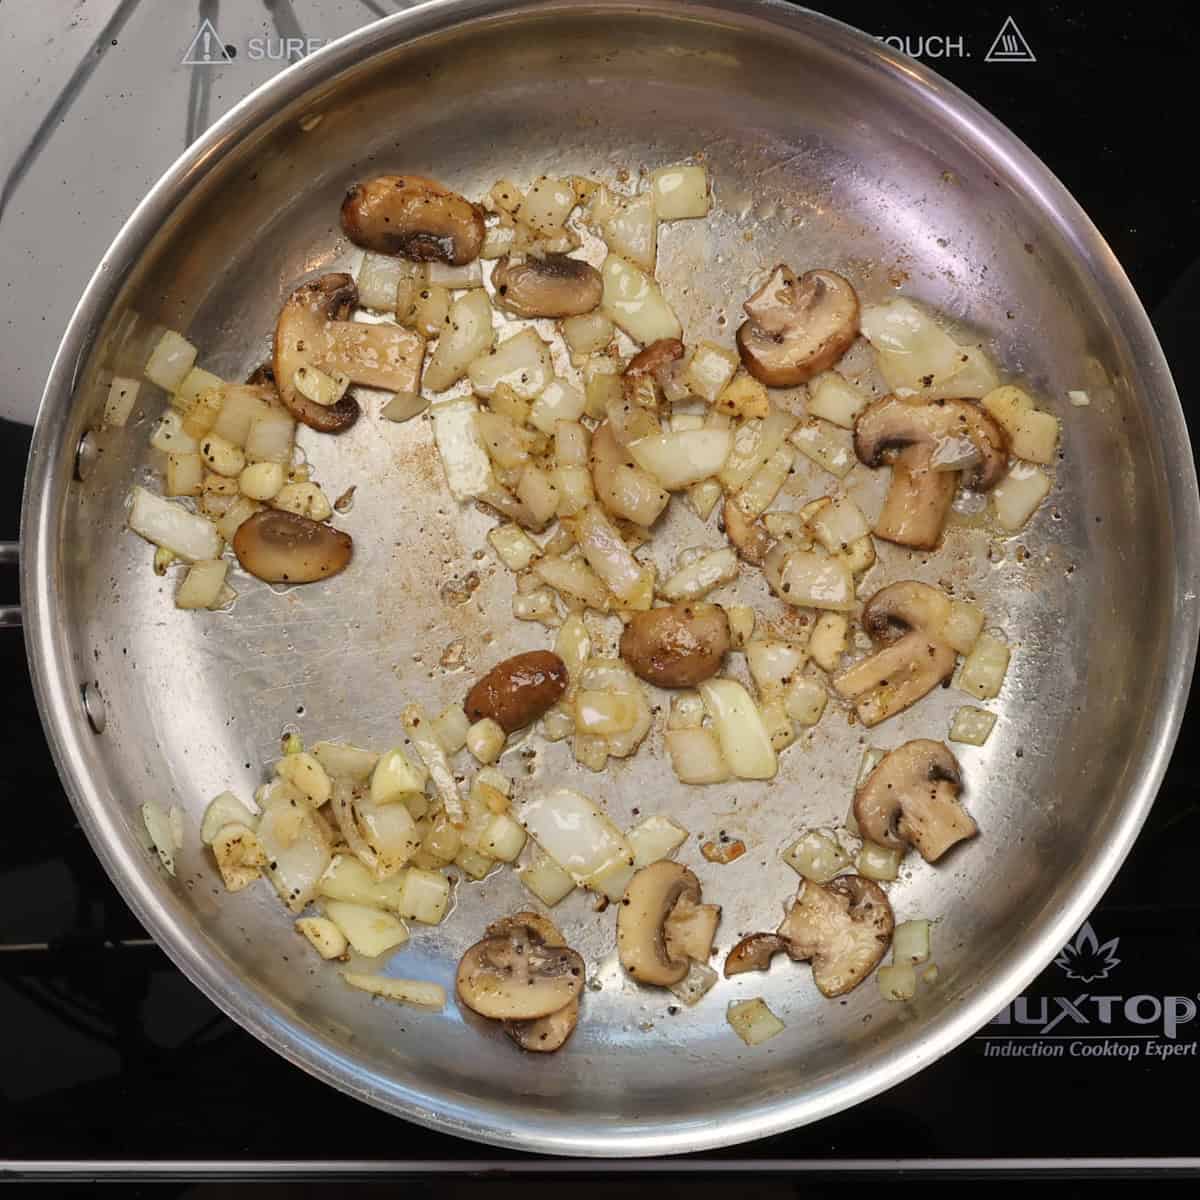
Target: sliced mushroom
{"x":655,"y":357}
{"x":906,"y":619}
{"x":544,"y":1034}
{"x":842,"y":927}
{"x":750,"y":538}
{"x":314,"y":330}
{"x":517,"y":976}
{"x":641,"y":920}
{"x":754,"y":953}
{"x":299,"y":339}
{"x":911,"y":798}
{"x":415,"y":217}
{"x":552,"y":286}
{"x":284,"y":547}
{"x":797,"y":327}
{"x":912,"y":435}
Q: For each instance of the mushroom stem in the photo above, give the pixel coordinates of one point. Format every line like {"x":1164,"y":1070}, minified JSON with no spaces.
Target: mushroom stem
{"x":918,"y":501}
{"x":896,"y":677}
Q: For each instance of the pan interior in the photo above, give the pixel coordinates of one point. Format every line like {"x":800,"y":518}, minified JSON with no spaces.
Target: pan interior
{"x":819,"y":156}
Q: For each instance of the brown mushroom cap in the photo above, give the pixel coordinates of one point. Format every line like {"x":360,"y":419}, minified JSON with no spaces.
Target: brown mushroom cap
{"x":842,"y":927}
{"x":284,"y":547}
{"x":552,"y":286}
{"x":907,"y":433}
{"x":754,"y":953}
{"x":797,"y":327}
{"x":902,"y":607}
{"x":911,"y":798}
{"x":655,"y":357}
{"x":518,"y":977}
{"x":649,"y":899}
{"x":415,"y":217}
{"x":677,"y":645}
{"x":299,"y":337}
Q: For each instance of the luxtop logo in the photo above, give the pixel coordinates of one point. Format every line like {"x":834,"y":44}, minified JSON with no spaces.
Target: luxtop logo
{"x":1086,"y":959}
{"x":1089,"y":1025}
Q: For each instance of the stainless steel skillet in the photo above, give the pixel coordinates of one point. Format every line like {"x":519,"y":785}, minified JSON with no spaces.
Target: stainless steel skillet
{"x":825,"y":149}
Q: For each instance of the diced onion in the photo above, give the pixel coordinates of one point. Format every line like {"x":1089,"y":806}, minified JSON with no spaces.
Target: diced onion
{"x":451,"y":727}
{"x":778,"y":724}
{"x":297,"y":849}
{"x":269,"y":438}
{"x":696,"y":984}
{"x":635,"y":303}
{"x":424,"y":896}
{"x":370,"y":931}
{"x":679,"y":459}
{"x":547,"y":205}
{"x":1033,"y":435}
{"x":910,"y":942}
{"x":242,"y":509}
{"x":962,"y":626}
{"x":169,"y":436}
{"x":1079,"y":399}
{"x":347,"y":878}
{"x":350,"y":762}
{"x":395,"y":775}
{"x":805,"y":700}
{"x":972,"y":726}
{"x":242,"y":404}
{"x":700,"y":577}
{"x":828,"y":641}
{"x":447,"y":275}
{"x":871,"y":758}
{"x":696,"y":756}
{"x":158,"y":825}
{"x":407,"y":991}
{"x":262,"y":481}
{"x":468,"y":469}
{"x":201,"y":586}
{"x":745,"y":743}
{"x":687,"y":711}
{"x":911,"y":347}
{"x":184,"y":475}
{"x":653,"y":838}
{"x":744,"y":397}
{"x":709,"y":371}
{"x":753,"y":1021}
{"x":703,"y":497}
{"x":389,"y":830}
{"x":1016,"y":497}
{"x":546,"y":879}
{"x":420,"y":730}
{"x":607,"y":553}
{"x":878,"y":862}
{"x":817,"y":855}
{"x":122,"y":395}
{"x":467,"y":335}
{"x":403,"y":406}
{"x":839,"y":524}
{"x":224,"y":809}
{"x":827,"y":446}
{"x":558,"y":401}
{"x":485,"y":741}
{"x":171,"y":359}
{"x":632,"y":232}
{"x":613,"y":880}
{"x":897,"y":982}
{"x":572,"y":577}
{"x":773,"y":664}
{"x":835,"y":399}
{"x":305,"y":500}
{"x":185,"y":534}
{"x":574,"y":832}
{"x":680,"y":192}
{"x":763,"y":486}
{"x":379,"y":280}
{"x":814,"y":579}
{"x":324,"y":936}
{"x":984,"y":669}
{"x":538,"y":493}
{"x":522,"y":362}
{"x":753,"y":445}
{"x":588,"y":333}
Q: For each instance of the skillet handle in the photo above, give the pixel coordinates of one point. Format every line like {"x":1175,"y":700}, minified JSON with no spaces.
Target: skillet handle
{"x":10,"y":614}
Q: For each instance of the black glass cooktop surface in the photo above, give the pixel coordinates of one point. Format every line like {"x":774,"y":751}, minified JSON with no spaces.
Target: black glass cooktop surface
{"x":109,"y":1055}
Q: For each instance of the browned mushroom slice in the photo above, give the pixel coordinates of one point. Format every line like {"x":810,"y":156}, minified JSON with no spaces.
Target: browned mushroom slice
{"x":519,"y":977}
{"x":284,"y":547}
{"x":842,"y":927}
{"x":922,"y":440}
{"x":754,"y":953}
{"x":300,"y":335}
{"x":415,"y":217}
{"x":641,"y":919}
{"x":314,"y":330}
{"x":655,"y":357}
{"x":907,"y":619}
{"x":797,"y":327}
{"x":911,"y":798}
{"x":749,"y":537}
{"x":552,"y":286}
{"x":546,"y":1034}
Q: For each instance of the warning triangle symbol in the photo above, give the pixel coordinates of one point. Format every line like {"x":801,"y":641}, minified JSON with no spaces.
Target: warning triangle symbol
{"x":206,"y":48}
{"x":1010,"y":45}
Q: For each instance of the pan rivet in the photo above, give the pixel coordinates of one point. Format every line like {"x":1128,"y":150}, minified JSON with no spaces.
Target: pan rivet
{"x":93,"y":707}
{"x":86,"y":454}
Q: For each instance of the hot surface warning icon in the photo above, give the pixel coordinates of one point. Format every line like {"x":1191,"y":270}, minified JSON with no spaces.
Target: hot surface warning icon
{"x":206,"y":48}
{"x":1010,"y":45}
